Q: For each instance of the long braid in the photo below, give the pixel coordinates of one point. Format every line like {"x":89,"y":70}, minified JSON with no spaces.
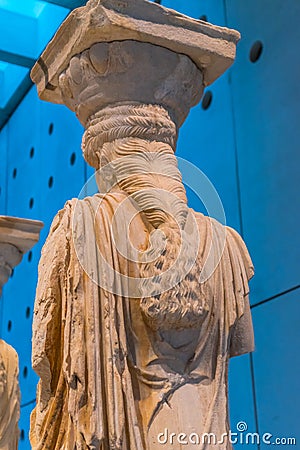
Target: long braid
{"x":147,"y":171}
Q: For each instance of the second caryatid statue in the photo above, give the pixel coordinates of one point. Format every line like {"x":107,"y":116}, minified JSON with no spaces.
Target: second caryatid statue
{"x":141,"y":301}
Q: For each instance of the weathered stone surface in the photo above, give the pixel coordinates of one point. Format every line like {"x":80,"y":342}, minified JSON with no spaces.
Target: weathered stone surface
{"x":17,"y":236}
{"x":108,"y":74}
{"x":10,"y":256}
{"x":22,"y":233}
{"x":9,"y":397}
{"x":116,"y":368}
{"x":141,"y":301}
{"x":212,"y":48}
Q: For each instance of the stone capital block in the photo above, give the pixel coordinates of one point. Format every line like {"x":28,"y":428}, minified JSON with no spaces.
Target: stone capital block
{"x":211,"y":48}
{"x":17,"y":236}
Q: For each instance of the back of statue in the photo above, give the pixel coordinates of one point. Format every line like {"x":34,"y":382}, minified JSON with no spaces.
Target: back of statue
{"x":141,"y":301}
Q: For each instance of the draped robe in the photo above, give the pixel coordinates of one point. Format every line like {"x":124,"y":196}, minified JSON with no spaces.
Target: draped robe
{"x":91,"y":348}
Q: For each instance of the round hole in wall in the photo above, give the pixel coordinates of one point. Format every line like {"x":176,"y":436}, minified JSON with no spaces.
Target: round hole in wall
{"x":25,"y":372}
{"x":14,"y":174}
{"x":207,"y":99}
{"x":9,"y":325}
{"x":31,"y":154}
{"x":27,"y":314}
{"x":256,"y":51}
{"x":50,"y":129}
{"x":203,"y":18}
{"x":30,"y":256}
{"x":22,"y":435}
{"x":73,"y":159}
{"x":50,"y":182}
{"x":31,"y":203}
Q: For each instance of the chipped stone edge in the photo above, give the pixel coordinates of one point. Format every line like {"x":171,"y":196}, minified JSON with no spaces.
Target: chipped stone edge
{"x":212,"y":48}
{"x":22,"y":233}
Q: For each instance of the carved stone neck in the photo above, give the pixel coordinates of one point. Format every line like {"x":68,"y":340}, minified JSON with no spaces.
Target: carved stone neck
{"x":151,"y":123}
{"x":134,"y":146}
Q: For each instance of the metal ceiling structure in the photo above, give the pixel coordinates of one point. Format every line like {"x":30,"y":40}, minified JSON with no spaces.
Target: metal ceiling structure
{"x":26,"y":28}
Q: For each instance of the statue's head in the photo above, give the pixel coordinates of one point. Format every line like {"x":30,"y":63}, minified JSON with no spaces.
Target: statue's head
{"x":132,"y":51}
{"x":130,"y":72}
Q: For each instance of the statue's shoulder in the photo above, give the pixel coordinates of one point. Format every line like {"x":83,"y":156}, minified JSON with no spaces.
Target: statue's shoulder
{"x":94,"y":201}
{"x":62,"y":220}
{"x":75,"y":207}
{"x":236,"y":241}
{"x":213,"y":229}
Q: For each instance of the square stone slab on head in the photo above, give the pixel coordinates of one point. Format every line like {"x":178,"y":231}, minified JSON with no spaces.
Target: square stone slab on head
{"x":21,"y":233}
{"x":17,"y":236}
{"x":212,"y":48}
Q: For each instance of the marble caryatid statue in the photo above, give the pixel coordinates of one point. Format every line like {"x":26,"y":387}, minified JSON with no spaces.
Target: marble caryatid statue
{"x":17,"y":236}
{"x":141,"y":301}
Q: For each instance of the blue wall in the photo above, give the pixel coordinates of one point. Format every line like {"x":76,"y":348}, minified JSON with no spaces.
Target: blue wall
{"x":246,"y":142}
